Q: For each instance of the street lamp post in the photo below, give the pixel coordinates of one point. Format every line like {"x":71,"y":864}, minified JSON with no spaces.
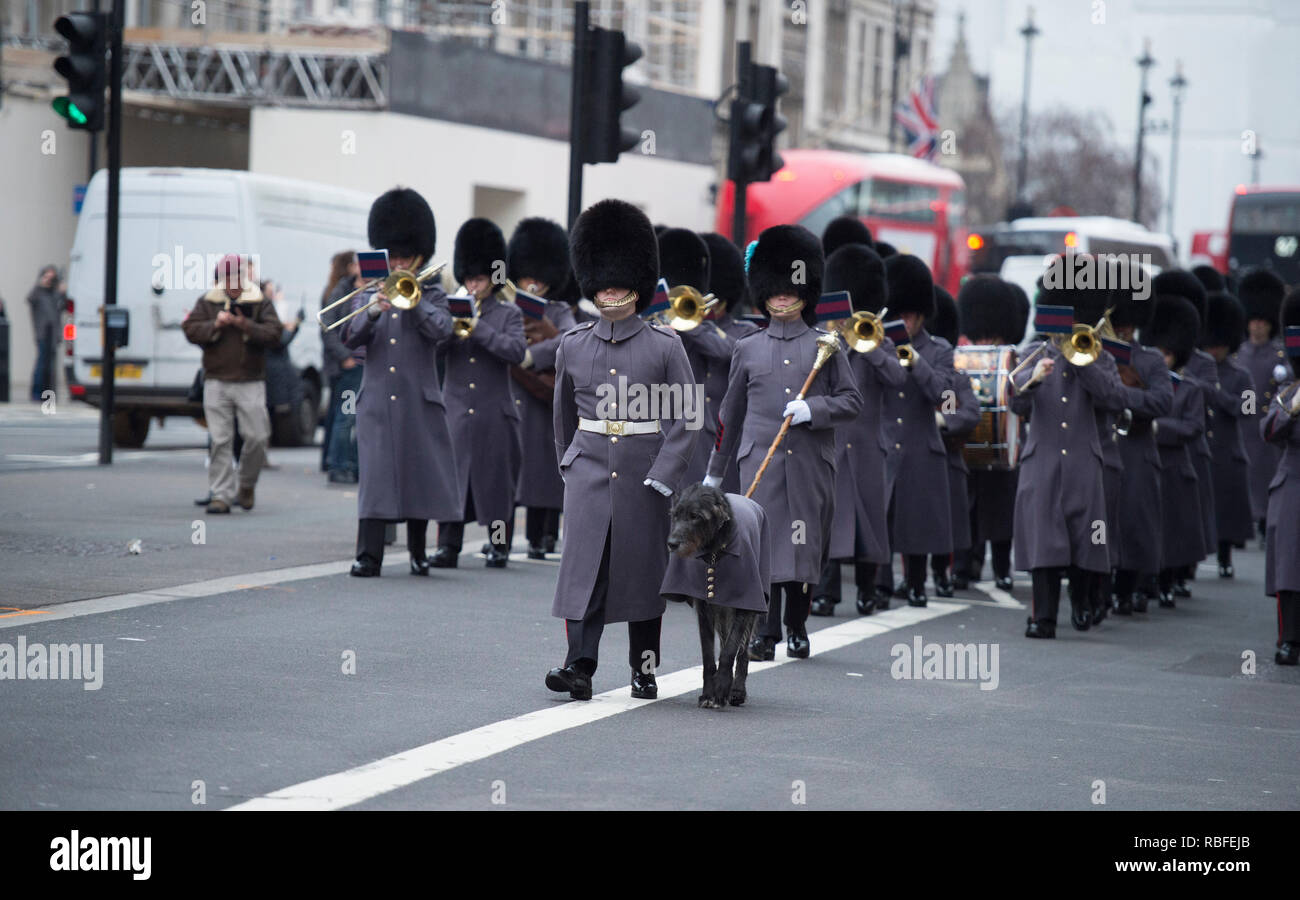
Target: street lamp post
{"x":1028,"y":32}
{"x":1176,"y":85}
{"x":1145,"y":62}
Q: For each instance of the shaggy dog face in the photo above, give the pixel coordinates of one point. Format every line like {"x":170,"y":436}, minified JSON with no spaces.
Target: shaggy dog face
{"x":701,"y":521}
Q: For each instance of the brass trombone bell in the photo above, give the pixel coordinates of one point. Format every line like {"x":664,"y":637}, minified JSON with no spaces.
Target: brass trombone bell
{"x":1082,"y":347}
{"x":401,"y":288}
{"x":687,"y":307}
{"x":906,"y":355}
{"x":863,"y":331}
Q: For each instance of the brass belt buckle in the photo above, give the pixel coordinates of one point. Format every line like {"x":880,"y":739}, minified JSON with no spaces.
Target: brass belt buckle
{"x":613,"y":427}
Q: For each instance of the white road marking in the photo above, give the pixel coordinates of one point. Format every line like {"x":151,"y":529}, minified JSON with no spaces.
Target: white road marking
{"x":997,"y":595}
{"x":400,"y":770}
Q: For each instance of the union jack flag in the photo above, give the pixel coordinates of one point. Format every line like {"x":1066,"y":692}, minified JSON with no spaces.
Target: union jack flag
{"x":919,"y":117}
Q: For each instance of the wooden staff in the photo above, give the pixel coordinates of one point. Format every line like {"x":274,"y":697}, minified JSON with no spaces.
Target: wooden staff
{"x":827,"y":346}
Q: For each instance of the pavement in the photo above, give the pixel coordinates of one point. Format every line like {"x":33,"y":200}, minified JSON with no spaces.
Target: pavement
{"x":249,"y":670}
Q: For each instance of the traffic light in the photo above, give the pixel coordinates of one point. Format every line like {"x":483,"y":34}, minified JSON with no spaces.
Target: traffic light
{"x":755,"y":124}
{"x":84,"y":68}
{"x":607,"y":97}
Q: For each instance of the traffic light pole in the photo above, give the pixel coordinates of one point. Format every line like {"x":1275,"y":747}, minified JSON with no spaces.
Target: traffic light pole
{"x":577,"y":112}
{"x":108,"y":364}
{"x":740,"y":187}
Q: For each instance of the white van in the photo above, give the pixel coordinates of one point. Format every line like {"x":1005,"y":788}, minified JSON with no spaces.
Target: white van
{"x":175,"y":223}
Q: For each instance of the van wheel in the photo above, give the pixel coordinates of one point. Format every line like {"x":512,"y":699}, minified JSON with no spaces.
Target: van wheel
{"x":130,"y":428}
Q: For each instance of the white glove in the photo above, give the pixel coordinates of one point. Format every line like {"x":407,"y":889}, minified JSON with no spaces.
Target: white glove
{"x":939,"y":420}
{"x":799,"y":409}
{"x":659,"y":486}
{"x":712,"y":481}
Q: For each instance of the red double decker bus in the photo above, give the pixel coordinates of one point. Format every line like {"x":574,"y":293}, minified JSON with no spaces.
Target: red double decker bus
{"x":916,"y":206}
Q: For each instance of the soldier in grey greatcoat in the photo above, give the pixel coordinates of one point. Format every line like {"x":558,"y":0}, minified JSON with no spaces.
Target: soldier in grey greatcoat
{"x":480,"y":397}
{"x":1225,"y":328}
{"x":768,"y":371}
{"x":916,"y":461}
{"x":1282,"y":531}
{"x":538,"y":262}
{"x":407,"y":464}
{"x":622,"y":442}
{"x":993,"y":313}
{"x":1263,"y":356}
{"x":957,"y":414}
{"x":1174,"y":329}
{"x":860,"y":534}
{"x":1060,"y":499}
{"x":1137,"y":527}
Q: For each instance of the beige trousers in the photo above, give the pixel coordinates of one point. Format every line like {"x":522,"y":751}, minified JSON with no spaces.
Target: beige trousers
{"x":224,"y":403}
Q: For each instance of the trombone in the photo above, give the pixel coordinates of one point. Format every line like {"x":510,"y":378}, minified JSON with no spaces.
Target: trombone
{"x":864,"y":331}
{"x":1081,"y":348}
{"x":464,"y":327}
{"x":402,"y":288}
{"x":687,"y":308}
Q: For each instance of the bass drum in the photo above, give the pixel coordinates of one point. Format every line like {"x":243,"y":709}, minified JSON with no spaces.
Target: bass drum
{"x":995,"y":441}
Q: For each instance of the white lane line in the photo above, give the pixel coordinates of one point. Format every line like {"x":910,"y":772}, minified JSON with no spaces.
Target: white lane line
{"x":997,"y":595}
{"x":359,"y":784}
{"x":193,"y":590}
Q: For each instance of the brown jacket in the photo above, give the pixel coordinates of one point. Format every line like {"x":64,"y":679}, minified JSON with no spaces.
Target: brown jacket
{"x":236,"y":352}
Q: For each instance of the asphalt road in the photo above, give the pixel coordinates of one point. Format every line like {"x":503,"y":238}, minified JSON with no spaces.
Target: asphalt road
{"x":241,"y":692}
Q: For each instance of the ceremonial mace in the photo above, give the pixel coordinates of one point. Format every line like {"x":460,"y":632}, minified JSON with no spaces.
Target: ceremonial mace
{"x":827,"y":346}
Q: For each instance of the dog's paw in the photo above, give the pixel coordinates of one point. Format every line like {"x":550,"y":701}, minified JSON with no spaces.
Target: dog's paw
{"x":707,"y":702}
{"x":738,"y":697}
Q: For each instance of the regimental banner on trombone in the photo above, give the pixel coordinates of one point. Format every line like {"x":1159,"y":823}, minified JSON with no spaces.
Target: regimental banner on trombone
{"x":373,"y":264}
{"x":1292,"y":341}
{"x":460,"y":307}
{"x":660,"y":303}
{"x":1054,"y":319}
{"x":531,"y":305}
{"x":834,"y":306}
{"x":896,"y":331}
{"x":1123,"y":352}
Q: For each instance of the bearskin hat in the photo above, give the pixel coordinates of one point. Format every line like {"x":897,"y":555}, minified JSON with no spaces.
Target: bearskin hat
{"x":844,"y":230}
{"x":1023,"y":308}
{"x":884,"y":250}
{"x":479,"y":246}
{"x":1225,"y":321}
{"x":787,"y":260}
{"x":613,"y":245}
{"x":1181,"y":283}
{"x":988,"y":311}
{"x":1060,"y":287}
{"x":726,"y":271}
{"x":857,"y":269}
{"x":539,"y":249}
{"x":684,"y":259}
{"x":1128,"y":309}
{"x":1261,"y":294}
{"x":911,"y":289}
{"x":568,"y":292}
{"x":1174,"y":327}
{"x":1210,"y":278}
{"x":1290,"y":313}
{"x":401,"y":222}
{"x":947,"y":321}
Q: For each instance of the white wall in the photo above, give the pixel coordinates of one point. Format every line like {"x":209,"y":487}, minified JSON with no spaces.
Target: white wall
{"x":451,"y":163}
{"x":38,"y":224}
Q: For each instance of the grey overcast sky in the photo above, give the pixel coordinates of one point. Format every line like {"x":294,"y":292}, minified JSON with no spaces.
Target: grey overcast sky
{"x":1241,"y":59}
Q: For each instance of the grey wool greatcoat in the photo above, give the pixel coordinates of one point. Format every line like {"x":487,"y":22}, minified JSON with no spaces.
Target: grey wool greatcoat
{"x":861,"y":529}
{"x":481,"y":411}
{"x":1139,"y":523}
{"x":1232,"y":519}
{"x":604,"y":490}
{"x":959,"y":422}
{"x":1202,"y":367}
{"x":539,"y":480}
{"x":407,"y":467}
{"x":1061,"y":496}
{"x":1282,"y":531}
{"x":1183,"y":534}
{"x":916,"y":460}
{"x":1112,"y":470}
{"x":1260,"y":360}
{"x":741,"y":577}
{"x":716,"y":369}
{"x":798,"y":489}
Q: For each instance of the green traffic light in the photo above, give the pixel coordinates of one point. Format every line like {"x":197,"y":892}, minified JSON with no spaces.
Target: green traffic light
{"x":69,"y":110}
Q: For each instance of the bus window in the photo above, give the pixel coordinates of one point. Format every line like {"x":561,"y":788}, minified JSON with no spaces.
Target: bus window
{"x":898,"y":201}
{"x":843,"y":203}
{"x":956,"y":210}
{"x":1263,"y":232}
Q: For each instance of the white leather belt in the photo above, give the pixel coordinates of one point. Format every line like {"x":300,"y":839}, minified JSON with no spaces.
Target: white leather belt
{"x":614,"y":426}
